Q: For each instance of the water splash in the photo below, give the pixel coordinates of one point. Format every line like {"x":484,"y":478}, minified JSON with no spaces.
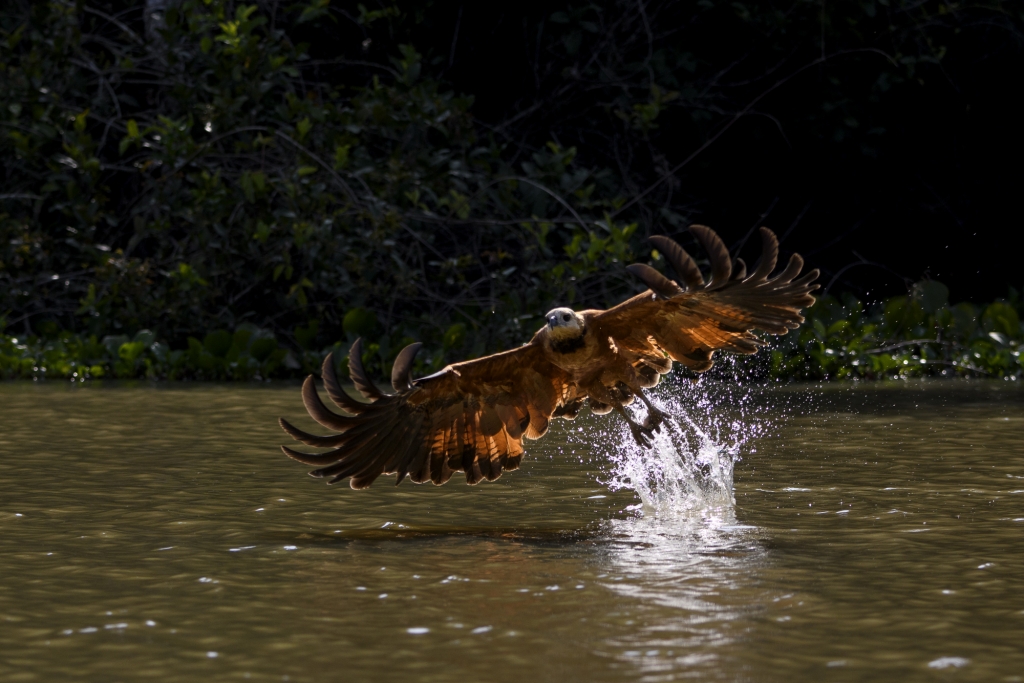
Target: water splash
{"x":685,"y":551}
{"x":690,"y":466}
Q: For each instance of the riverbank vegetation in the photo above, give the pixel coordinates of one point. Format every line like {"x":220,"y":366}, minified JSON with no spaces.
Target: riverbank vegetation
{"x":209,"y":189}
{"x":919,"y":335}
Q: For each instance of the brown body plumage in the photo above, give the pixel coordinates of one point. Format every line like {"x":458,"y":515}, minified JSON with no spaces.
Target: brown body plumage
{"x":473,"y":416}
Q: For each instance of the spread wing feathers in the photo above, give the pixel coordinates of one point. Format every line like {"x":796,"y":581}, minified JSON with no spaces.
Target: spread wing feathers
{"x":739,"y":269}
{"x":721,"y":315}
{"x":718,"y":253}
{"x":681,"y":262}
{"x":401,"y":371}
{"x":471,"y":417}
{"x":359,"y":377}
{"x":658,"y":283}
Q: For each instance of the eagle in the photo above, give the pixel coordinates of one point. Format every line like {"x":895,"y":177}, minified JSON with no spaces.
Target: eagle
{"x":473,"y":416}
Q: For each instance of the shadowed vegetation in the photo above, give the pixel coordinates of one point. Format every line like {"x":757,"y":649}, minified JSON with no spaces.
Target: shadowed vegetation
{"x":226,"y":190}
{"x":919,"y":335}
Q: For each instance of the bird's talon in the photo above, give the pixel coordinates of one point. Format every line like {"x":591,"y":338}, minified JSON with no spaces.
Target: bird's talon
{"x":654,"y":419}
{"x":641,"y":434}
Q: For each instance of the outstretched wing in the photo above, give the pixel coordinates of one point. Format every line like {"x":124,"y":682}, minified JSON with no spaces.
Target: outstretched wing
{"x":469,"y":417}
{"x":689,"y":322}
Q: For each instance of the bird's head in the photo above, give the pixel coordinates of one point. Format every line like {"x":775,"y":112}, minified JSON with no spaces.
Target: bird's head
{"x":563,"y":323}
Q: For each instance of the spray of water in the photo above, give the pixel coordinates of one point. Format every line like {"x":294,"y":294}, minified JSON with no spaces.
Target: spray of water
{"x":690,"y":466}
{"x":683,"y":549}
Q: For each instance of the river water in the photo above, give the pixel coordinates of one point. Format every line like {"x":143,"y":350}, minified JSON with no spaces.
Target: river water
{"x":803,"y":533}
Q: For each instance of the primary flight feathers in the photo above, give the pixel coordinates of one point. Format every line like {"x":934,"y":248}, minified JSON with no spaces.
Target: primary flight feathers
{"x":472,"y":416}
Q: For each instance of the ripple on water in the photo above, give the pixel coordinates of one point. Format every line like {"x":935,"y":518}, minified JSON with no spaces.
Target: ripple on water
{"x":142,"y":529}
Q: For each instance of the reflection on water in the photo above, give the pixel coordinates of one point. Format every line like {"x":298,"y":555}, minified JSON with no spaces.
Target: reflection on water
{"x":798,"y":534}
{"x":683,"y":551}
{"x":688,"y":566}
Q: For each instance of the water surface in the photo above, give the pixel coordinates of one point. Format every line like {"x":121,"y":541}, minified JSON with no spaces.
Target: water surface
{"x":865,"y":533}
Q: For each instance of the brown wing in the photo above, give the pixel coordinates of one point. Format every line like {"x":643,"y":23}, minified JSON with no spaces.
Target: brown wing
{"x":469,"y":417}
{"x":689,"y":323}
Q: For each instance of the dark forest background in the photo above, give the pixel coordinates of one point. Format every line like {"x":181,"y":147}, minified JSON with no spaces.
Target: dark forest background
{"x":447,"y":171}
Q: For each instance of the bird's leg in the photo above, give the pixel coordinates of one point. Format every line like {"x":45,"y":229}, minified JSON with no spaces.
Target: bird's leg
{"x":629,"y":381}
{"x":641,"y":433}
{"x":599,"y":392}
{"x":654,"y":416}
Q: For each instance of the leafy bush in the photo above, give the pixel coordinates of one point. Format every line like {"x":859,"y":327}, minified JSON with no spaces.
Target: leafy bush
{"x":221,"y":165}
{"x":249,"y":353}
{"x":240,"y":191}
{"x":908,"y":336}
{"x":921,"y":334}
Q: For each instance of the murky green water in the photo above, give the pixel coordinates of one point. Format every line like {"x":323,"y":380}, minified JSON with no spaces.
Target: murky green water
{"x":157,"y":533}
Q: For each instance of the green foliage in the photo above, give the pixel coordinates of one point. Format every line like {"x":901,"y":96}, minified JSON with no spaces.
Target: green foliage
{"x":907,"y":336}
{"x":212,"y":178}
{"x":250,"y":353}
{"x":841,"y":340}
{"x":252,"y":192}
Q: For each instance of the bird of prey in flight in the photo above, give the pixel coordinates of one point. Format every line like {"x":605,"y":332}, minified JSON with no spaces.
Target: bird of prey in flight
{"x":473,"y":416}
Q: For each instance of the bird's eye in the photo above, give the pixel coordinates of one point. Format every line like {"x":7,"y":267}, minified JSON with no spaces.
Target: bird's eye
{"x":565,"y":317}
